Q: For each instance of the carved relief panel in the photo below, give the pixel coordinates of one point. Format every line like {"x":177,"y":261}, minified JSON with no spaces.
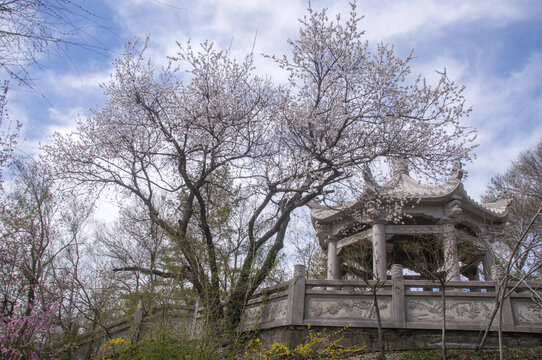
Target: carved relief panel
{"x":527,"y":313}
{"x":347,"y":308}
{"x":268,"y":312}
{"x":466,"y":311}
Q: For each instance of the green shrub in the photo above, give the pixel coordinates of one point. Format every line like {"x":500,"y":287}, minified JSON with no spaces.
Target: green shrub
{"x":162,"y":346}
{"x":317,"y":346}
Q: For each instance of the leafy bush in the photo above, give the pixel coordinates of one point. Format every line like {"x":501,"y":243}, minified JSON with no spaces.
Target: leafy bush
{"x":162,"y":346}
{"x":310,"y":349}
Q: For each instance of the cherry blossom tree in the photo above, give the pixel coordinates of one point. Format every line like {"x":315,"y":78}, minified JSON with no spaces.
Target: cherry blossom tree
{"x":220,"y":145}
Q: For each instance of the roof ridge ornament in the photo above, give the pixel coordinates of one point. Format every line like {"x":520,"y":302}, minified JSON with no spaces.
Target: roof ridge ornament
{"x":399,"y":165}
{"x":458,"y":171}
{"x":370,"y":183}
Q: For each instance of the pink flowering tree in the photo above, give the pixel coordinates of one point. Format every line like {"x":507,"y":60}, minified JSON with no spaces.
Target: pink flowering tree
{"x":31,"y":336}
{"x":28,"y":248}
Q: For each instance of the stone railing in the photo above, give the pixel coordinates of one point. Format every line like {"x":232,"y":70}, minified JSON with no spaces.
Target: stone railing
{"x":167,"y":316}
{"x":403,"y":304}
{"x":406,"y":304}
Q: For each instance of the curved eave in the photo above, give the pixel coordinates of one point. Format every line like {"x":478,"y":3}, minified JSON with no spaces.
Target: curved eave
{"x":493,"y":211}
{"x":402,"y":186}
{"x":327,"y":214}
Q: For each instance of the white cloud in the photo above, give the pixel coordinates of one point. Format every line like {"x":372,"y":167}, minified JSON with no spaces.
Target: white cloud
{"x":236,"y":22}
{"x":506,"y":112}
{"x":63,"y":121}
{"x":34,"y":134}
{"x":222,"y":22}
{"x":84,"y":82}
{"x":456,"y":70}
{"x":386,"y":19}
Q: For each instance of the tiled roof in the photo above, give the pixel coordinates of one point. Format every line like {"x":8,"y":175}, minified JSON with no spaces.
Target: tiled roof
{"x":402,"y":186}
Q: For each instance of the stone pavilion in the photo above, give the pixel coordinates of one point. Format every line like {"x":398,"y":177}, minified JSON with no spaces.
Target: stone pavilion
{"x":464,"y":228}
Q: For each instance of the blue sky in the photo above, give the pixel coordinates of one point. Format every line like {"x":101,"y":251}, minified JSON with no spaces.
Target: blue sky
{"x":493,"y":47}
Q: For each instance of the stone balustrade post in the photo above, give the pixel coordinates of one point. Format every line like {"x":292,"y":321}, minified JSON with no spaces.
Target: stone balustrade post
{"x":296,"y":296}
{"x":497,"y":274}
{"x":138,"y":317}
{"x":398,"y":295}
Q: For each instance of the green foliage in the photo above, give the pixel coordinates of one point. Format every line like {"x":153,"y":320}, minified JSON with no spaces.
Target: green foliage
{"x":317,"y":346}
{"x":162,"y":346}
{"x":424,"y":254}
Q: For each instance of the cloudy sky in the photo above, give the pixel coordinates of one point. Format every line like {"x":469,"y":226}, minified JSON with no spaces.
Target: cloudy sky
{"x":493,"y":47}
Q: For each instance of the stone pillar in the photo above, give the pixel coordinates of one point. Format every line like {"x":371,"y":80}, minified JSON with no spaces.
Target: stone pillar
{"x":195,"y":320}
{"x":332,"y":261}
{"x":497,"y":273}
{"x":296,"y":296}
{"x":137,"y":321}
{"x":451,"y":258}
{"x":379,"y":252}
{"x":474,"y":276}
{"x":398,"y":295}
{"x":488,"y":261}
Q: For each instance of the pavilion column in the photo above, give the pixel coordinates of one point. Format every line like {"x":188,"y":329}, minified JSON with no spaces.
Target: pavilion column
{"x":332,"y":261}
{"x":379,"y":251}
{"x":451,"y":258}
{"x":488,"y":261}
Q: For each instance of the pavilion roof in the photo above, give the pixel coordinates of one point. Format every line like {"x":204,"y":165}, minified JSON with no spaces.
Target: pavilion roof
{"x":402,"y":186}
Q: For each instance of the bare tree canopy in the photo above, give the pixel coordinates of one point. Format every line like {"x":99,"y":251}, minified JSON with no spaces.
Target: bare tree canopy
{"x":520,"y":251}
{"x":8,"y":133}
{"x":28,"y":29}
{"x":522,"y":183}
{"x":221,"y":154}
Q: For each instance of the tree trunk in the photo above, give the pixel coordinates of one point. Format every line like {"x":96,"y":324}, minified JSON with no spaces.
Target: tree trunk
{"x":443,"y":292}
{"x":30,"y":299}
{"x":496,"y":307}
{"x":382,"y":354}
{"x":89,"y":354}
{"x":501,"y":351}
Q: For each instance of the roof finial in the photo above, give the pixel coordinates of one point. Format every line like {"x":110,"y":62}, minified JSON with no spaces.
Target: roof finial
{"x":399,"y":166}
{"x":370,"y":182}
{"x":458,"y":170}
